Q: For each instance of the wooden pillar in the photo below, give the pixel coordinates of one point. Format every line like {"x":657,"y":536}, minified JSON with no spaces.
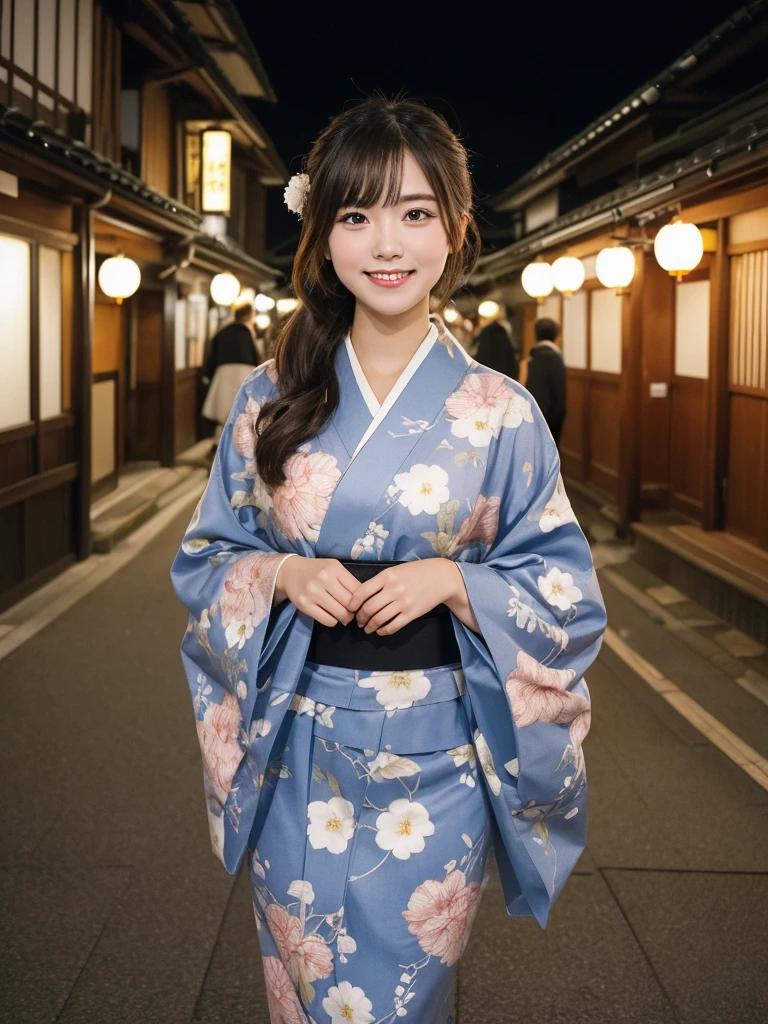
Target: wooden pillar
{"x":716,"y":451}
{"x":630,"y":394}
{"x":83,"y":299}
{"x":168,"y":376}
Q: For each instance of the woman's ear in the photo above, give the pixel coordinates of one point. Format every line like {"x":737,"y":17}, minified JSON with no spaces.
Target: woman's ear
{"x":463,"y":222}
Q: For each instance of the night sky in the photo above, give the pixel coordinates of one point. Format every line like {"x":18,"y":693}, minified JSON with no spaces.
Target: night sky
{"x":514,"y":80}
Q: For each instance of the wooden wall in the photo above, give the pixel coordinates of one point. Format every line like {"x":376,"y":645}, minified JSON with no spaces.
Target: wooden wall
{"x":157,"y":138}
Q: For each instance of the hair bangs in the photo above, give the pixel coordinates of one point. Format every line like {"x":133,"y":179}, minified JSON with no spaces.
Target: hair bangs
{"x":373,"y":172}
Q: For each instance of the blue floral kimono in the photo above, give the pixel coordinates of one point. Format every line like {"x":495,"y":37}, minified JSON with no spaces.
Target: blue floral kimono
{"x":366,"y":802}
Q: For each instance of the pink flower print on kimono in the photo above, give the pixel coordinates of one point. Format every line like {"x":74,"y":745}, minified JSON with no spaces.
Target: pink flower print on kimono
{"x":307,"y":958}
{"x":300,"y":503}
{"x":397,"y":690}
{"x":244,"y":430}
{"x":284,"y":1005}
{"x":218,"y":734}
{"x":441,"y":915}
{"x":482,"y":405}
{"x":483,"y":523}
{"x":247,"y":596}
{"x":540,"y":694}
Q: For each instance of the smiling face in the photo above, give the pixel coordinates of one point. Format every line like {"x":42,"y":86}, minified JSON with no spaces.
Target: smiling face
{"x":390,"y":257}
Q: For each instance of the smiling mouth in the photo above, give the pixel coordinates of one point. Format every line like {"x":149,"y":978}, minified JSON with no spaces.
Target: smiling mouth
{"x":394,"y":275}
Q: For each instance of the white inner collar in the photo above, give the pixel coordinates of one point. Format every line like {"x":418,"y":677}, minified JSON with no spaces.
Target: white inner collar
{"x":376,"y":408}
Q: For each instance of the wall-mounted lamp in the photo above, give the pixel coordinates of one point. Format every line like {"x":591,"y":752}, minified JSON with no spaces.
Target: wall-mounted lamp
{"x":119,"y":277}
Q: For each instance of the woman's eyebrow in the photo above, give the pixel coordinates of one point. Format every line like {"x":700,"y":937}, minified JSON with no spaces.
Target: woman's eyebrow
{"x":417,"y":197}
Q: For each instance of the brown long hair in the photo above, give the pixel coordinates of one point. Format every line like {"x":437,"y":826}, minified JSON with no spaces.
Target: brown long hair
{"x":356,"y":158}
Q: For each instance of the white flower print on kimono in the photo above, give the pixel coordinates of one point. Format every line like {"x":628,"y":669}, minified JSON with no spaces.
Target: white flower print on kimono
{"x":397,"y":690}
{"x":557,"y":511}
{"x":391,"y":766}
{"x":331,"y":825}
{"x":403,"y":827}
{"x":558,"y":589}
{"x":424,"y":488}
{"x":346,"y":1004}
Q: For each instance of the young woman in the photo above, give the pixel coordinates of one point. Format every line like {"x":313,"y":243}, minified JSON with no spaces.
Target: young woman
{"x":392,"y":604}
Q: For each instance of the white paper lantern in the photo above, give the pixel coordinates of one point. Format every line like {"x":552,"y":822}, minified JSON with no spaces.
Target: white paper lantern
{"x":224,"y":289}
{"x":263,"y":321}
{"x":285,"y":306}
{"x":119,"y":277}
{"x":678,"y":247}
{"x":568,"y":275}
{"x":451,"y":315}
{"x":537,"y":280}
{"x":615,"y":267}
{"x":263,"y":303}
{"x":489,"y":309}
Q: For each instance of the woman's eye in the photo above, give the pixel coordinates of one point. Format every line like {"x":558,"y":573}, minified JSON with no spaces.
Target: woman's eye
{"x":418,"y":215}
{"x":346,"y":218}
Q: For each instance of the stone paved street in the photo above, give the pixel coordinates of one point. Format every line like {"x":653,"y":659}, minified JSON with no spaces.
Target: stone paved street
{"x":115,"y":912}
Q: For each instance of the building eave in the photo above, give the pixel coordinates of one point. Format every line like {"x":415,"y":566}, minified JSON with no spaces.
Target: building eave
{"x":744,"y":146}
{"x":634,"y":105}
{"x":225,"y":10}
{"x":86,"y":167}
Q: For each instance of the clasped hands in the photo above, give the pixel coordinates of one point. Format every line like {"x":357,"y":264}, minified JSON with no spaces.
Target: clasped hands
{"x":323,"y":589}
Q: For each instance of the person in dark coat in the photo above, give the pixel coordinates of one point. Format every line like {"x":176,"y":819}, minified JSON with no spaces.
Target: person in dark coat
{"x":233,"y":343}
{"x":546,"y":375}
{"x":497,"y":350}
{"x":232,"y":354}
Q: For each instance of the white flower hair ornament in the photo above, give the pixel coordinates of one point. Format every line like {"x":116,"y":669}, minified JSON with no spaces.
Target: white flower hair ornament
{"x":296,"y":193}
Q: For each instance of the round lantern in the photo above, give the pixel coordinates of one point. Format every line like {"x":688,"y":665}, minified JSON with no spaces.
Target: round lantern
{"x":536,"y":280}
{"x":489,"y":309}
{"x":263,"y":321}
{"x":224,"y":289}
{"x":263,"y":303}
{"x":615,"y":267}
{"x":452,"y":314}
{"x":568,"y":275}
{"x":119,"y":277}
{"x":285,"y":306}
{"x":678,"y":247}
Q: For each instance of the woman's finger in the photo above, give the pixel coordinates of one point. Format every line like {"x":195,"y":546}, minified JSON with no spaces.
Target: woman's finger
{"x":385,"y":615}
{"x":319,"y":615}
{"x":372,"y":606}
{"x":347,"y":580}
{"x":394,"y":625}
{"x":339,"y":592}
{"x":330,"y":605}
{"x":366,"y":590}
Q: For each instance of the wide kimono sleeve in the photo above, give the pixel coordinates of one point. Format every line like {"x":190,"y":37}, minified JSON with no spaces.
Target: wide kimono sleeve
{"x":536,"y":598}
{"x":236,"y":644}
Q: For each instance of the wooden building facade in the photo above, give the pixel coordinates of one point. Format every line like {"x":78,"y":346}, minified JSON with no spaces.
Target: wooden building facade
{"x":101,"y":109}
{"x":668,"y":382}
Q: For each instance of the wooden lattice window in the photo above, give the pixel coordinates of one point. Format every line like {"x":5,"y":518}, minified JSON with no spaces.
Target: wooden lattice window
{"x":749,"y":320}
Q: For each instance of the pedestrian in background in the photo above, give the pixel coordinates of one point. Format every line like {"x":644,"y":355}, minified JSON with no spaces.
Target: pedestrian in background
{"x":231,"y":356}
{"x":497,"y":350}
{"x":545,"y":375}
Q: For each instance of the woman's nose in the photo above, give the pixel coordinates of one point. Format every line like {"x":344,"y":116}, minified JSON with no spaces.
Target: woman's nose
{"x":387,"y":244}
